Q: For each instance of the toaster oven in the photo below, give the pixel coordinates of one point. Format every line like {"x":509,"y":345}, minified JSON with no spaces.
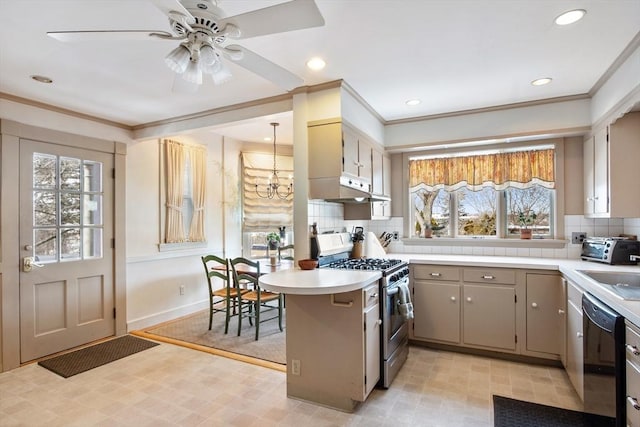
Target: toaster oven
{"x":610,"y":250}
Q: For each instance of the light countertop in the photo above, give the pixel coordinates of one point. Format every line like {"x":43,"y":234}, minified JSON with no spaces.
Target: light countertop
{"x":320,"y":281}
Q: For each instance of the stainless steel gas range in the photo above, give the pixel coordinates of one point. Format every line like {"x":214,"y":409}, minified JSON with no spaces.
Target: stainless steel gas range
{"x":333,"y":251}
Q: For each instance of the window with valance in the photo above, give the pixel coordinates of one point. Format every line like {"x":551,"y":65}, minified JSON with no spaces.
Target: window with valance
{"x":460,"y":195}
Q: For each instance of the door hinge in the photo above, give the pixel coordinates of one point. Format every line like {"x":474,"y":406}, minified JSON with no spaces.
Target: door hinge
{"x":516,"y":338}
{"x":365,"y":380}
{"x":365,"y":326}
{"x":114,"y":312}
{"x":113,"y":173}
{"x":515,"y":299}
{"x":113,"y":243}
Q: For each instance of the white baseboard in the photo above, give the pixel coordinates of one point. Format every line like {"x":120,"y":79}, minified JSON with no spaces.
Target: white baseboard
{"x":165,"y":316}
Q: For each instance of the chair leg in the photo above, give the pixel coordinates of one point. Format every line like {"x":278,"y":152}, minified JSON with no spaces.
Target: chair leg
{"x":239,"y":316}
{"x":210,"y":312}
{"x":257,"y":319}
{"x":227,"y":316}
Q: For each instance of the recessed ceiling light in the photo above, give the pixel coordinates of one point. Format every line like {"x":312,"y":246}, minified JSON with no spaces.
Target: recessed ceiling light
{"x":413,"y":102}
{"x":570,"y":17}
{"x":542,"y":81}
{"x":42,"y":79}
{"x":316,"y":64}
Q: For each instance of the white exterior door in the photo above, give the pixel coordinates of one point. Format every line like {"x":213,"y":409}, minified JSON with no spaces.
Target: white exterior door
{"x":66,"y":254}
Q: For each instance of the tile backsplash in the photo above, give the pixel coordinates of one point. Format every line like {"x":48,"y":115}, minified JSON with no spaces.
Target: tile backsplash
{"x":329,"y":217}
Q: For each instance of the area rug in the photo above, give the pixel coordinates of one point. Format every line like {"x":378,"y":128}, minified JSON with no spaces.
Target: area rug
{"x":271,"y":345}
{"x":76,"y":362}
{"x":516,"y":413}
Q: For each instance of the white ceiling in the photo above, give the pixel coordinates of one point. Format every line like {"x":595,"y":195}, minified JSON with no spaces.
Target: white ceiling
{"x":452,"y":54}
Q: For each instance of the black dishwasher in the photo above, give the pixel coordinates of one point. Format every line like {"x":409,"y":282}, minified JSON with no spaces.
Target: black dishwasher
{"x":603,"y":345}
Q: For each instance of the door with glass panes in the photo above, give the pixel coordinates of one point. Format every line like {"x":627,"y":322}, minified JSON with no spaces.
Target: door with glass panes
{"x":66,"y":254}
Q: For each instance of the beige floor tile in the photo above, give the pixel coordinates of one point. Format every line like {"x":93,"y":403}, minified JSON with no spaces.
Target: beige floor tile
{"x":174,"y":386}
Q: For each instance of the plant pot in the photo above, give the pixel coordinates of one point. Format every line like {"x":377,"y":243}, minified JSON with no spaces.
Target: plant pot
{"x":427,"y":233}
{"x":525,"y":233}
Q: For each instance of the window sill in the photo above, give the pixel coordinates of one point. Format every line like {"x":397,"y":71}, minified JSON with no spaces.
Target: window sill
{"x":487,"y":242}
{"x":167,"y":247}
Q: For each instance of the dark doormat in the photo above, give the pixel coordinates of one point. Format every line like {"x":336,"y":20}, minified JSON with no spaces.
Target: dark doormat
{"x":76,"y":362}
{"x":516,"y":413}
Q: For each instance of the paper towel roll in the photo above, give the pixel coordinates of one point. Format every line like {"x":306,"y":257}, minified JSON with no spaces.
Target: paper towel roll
{"x":372,"y":247}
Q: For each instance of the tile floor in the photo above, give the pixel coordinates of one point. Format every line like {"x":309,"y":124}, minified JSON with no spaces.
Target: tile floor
{"x":174,"y":386}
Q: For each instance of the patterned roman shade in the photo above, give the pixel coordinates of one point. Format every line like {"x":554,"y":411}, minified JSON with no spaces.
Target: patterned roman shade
{"x":260,"y":213}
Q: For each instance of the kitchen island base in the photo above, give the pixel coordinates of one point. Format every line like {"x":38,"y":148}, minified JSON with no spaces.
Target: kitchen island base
{"x":333,"y":347}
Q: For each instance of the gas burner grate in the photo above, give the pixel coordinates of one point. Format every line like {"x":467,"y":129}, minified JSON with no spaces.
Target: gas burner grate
{"x":377,"y":264}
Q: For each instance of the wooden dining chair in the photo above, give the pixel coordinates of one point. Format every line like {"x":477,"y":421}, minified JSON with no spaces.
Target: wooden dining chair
{"x":223,"y":299}
{"x":285,"y":252}
{"x":255,"y":302}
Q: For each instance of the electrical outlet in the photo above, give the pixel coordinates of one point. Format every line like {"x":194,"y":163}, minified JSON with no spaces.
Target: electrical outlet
{"x":577,"y":237}
{"x":396,"y":235}
{"x":181,"y":289}
{"x":295,"y":367}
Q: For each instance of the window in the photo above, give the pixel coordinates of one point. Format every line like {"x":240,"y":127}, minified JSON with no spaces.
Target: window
{"x":185,"y":172}
{"x":67,"y":208}
{"x":261,"y":216}
{"x":495,"y":194}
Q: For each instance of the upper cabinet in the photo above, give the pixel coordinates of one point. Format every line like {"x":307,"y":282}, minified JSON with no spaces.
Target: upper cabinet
{"x":337,"y":149}
{"x":611,"y":155}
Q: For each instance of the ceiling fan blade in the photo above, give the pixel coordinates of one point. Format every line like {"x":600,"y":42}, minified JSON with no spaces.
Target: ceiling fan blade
{"x":264,"y":68}
{"x":168,"y":6}
{"x":289,"y":16}
{"x":108,"y":35}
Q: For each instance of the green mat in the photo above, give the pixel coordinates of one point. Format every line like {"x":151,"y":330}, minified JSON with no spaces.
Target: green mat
{"x":76,"y":362}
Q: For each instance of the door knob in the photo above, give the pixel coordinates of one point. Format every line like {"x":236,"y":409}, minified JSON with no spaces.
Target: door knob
{"x":534,"y":304}
{"x":28,"y":263}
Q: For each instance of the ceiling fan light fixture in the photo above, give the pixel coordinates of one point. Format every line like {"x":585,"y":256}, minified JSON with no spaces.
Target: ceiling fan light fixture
{"x":570,"y":17}
{"x":221,"y":75}
{"x":208,"y":55}
{"x":193,"y":73}
{"x":178,"y":59}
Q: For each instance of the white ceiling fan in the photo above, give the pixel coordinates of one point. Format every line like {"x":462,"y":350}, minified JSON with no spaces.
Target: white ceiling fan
{"x":204,"y":31}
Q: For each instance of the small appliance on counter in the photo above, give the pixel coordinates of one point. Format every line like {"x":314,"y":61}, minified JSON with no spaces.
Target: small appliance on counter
{"x":610,"y":250}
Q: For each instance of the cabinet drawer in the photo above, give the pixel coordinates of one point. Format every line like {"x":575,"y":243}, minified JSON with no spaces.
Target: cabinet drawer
{"x":633,"y":395}
{"x":574,"y":294}
{"x":371,"y":296}
{"x":436,"y":272}
{"x":489,"y":276}
{"x":632,"y":339}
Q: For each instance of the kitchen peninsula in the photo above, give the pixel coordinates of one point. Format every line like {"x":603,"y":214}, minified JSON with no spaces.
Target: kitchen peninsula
{"x":333,"y":334}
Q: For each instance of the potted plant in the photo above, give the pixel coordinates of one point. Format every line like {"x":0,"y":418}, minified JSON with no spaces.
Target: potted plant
{"x":526,"y":219}
{"x":273,"y":240}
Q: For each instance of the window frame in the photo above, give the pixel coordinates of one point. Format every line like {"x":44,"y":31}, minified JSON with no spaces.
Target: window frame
{"x":556,"y":240}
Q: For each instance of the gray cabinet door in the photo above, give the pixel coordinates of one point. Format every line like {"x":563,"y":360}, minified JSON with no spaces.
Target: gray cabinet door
{"x":372,"y":347}
{"x":544,"y":313}
{"x":437,"y":311}
{"x":489,"y":316}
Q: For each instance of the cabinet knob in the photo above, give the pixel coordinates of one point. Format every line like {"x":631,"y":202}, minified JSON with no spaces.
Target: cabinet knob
{"x":468,"y":299}
{"x":579,"y":334}
{"x":534,"y":304}
{"x":595,"y":197}
{"x":453,"y":299}
{"x":633,"y":349}
{"x":379,"y":322}
{"x":634,"y":402}
{"x":560,"y":311}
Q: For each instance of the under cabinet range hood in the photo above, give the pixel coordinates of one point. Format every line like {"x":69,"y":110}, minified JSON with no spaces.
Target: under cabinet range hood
{"x":343,"y":189}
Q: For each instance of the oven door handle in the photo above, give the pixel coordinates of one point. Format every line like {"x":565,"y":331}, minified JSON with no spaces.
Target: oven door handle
{"x":392,"y":291}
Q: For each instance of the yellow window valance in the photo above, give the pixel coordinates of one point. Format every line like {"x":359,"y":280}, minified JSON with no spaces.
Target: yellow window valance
{"x":519,"y":169}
